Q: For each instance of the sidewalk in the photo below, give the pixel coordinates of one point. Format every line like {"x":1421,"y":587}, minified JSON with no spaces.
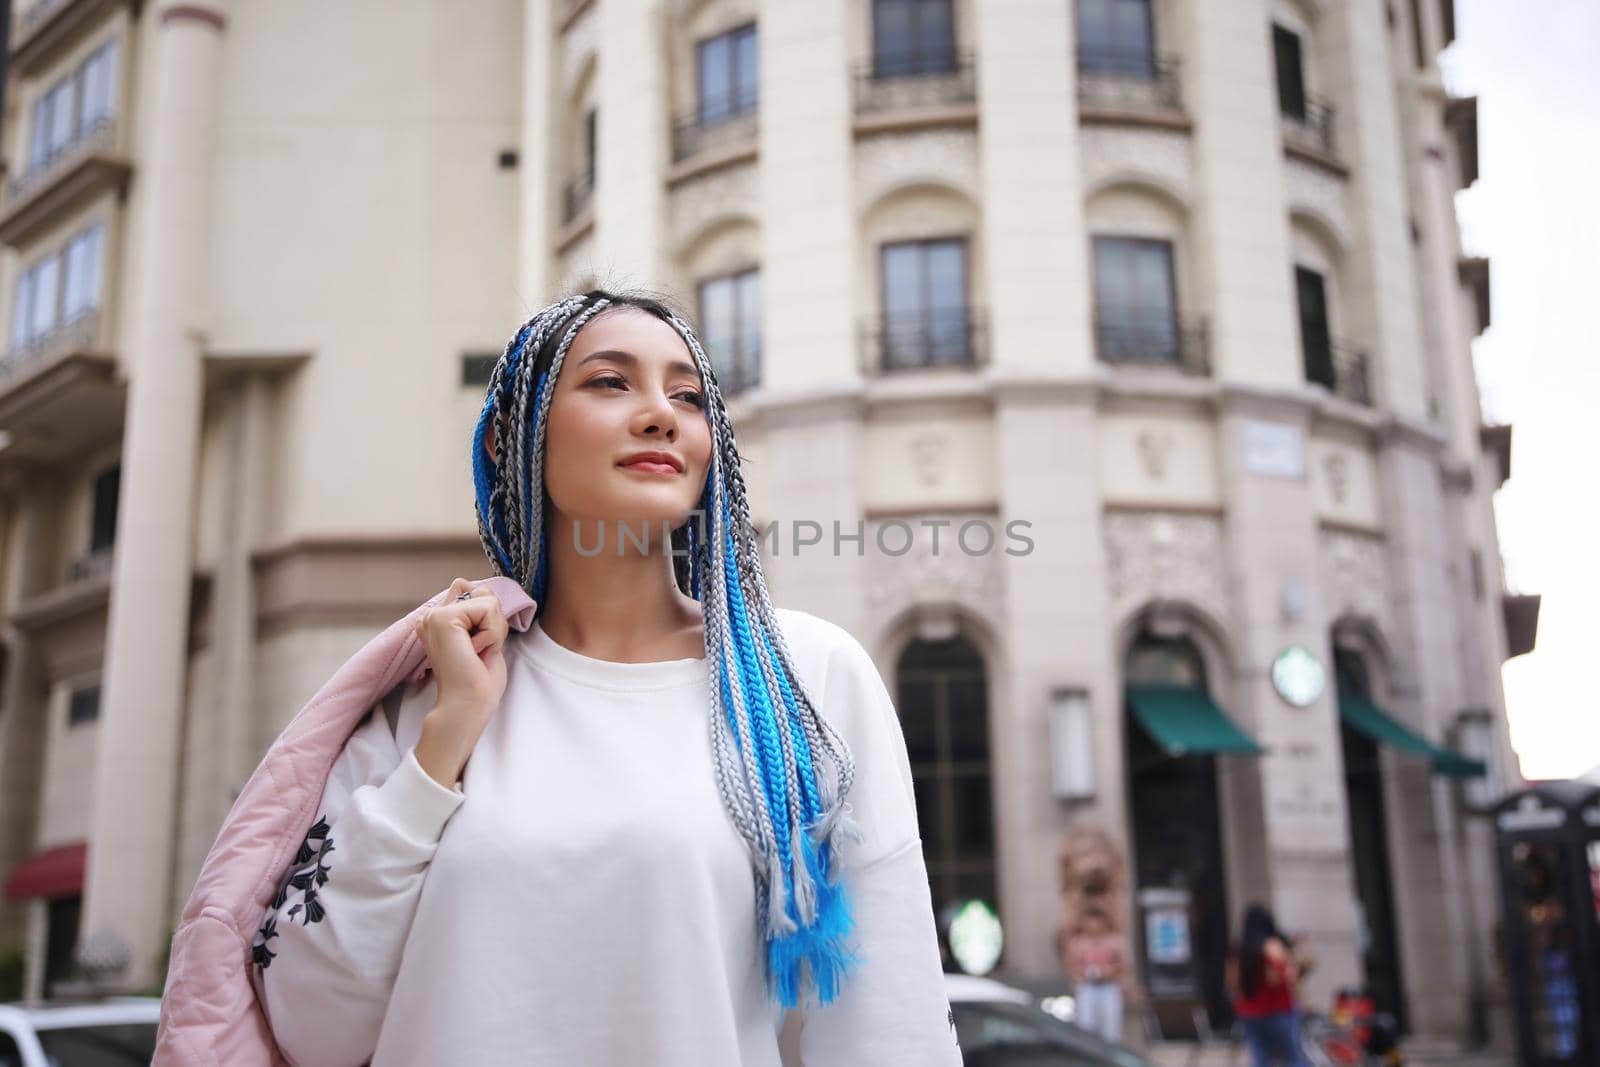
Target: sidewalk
{"x":1184,"y":1054}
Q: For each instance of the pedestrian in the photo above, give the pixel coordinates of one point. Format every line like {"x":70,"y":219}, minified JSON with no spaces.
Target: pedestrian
{"x":1262,"y":973}
{"x":1097,"y":963}
{"x":646,"y":827}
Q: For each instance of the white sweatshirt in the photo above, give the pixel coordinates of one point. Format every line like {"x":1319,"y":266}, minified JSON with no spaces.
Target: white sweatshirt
{"x":581,"y":897}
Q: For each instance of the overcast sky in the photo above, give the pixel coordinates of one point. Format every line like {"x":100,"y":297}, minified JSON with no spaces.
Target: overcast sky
{"x":1533,"y":66}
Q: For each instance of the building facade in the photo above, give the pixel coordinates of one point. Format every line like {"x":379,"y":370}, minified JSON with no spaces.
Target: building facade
{"x":1141,"y":540}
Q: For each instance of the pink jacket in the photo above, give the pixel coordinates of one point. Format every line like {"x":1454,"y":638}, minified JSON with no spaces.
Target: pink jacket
{"x":209,"y":1011}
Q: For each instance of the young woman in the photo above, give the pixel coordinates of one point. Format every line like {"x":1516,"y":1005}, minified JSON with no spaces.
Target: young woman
{"x":1263,"y":974}
{"x":640,"y":831}
{"x":1097,"y":962}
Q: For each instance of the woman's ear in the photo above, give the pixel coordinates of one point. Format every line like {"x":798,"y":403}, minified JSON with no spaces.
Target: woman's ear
{"x":488,"y":440}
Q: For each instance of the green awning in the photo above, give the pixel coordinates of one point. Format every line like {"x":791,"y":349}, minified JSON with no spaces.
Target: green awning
{"x":1372,"y":721}
{"x":1184,"y":721}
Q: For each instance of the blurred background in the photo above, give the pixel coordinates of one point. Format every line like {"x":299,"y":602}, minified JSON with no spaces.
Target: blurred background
{"x":1200,"y":292}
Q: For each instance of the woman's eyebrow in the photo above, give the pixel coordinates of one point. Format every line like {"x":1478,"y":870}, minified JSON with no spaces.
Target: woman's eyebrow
{"x":628,"y":359}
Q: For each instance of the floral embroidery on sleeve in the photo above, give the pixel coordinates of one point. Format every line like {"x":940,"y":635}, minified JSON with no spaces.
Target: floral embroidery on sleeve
{"x":308,"y":872}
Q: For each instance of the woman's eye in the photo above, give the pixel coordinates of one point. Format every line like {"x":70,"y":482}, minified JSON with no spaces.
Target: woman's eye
{"x":695,"y":398}
{"x":610,"y":380}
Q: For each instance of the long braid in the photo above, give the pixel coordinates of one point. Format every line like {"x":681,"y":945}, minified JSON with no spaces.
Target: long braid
{"x":782,"y":771}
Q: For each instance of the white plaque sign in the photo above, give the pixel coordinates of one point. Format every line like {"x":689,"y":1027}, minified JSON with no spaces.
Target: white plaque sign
{"x":1274,"y":449}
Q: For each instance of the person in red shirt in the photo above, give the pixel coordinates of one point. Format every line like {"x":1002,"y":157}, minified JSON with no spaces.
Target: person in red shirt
{"x":1262,"y":973}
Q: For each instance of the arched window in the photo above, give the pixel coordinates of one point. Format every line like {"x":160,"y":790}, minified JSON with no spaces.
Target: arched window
{"x":944,"y":710}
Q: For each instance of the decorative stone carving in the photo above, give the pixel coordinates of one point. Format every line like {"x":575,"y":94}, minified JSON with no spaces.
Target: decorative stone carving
{"x":1112,"y":153}
{"x":941,"y":157}
{"x":1355,"y":574}
{"x":1338,"y":476}
{"x":1094,"y":874}
{"x":730,"y":192}
{"x":1314,"y":191}
{"x":922,"y":576}
{"x":1165,"y":555}
{"x":1154,"y":447}
{"x":928,"y":452}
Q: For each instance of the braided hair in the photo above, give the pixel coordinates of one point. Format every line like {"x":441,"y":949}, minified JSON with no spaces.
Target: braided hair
{"x":782,"y":771}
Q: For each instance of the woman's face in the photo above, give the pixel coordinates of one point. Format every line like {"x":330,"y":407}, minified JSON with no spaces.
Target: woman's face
{"x":628,"y":385}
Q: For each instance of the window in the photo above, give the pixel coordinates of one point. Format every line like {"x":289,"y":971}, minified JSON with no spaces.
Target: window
{"x":727,"y":75}
{"x":730,"y":327}
{"x":1116,"y":37}
{"x":103,"y":521}
{"x":83,"y":705}
{"x":589,"y":143}
{"x":912,"y":37}
{"x":925,"y":315}
{"x":943,"y":701}
{"x":82,"y":292}
{"x":45,"y":299}
{"x":1136,"y":304}
{"x":1316,"y":342}
{"x":98,"y":79}
{"x":1291,"y":73}
{"x":74,"y":105}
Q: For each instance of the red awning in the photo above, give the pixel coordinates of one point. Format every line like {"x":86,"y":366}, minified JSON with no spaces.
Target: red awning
{"x":55,"y":872}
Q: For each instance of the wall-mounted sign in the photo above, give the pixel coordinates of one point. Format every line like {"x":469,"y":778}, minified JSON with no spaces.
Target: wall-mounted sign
{"x":1298,"y":676}
{"x":1274,"y":449}
{"x":975,"y":937}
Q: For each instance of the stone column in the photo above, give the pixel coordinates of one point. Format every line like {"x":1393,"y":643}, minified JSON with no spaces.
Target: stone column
{"x":808,"y":227}
{"x":632,"y":149}
{"x":131,"y":848}
{"x":1381,"y":266}
{"x":1056,"y":625}
{"x":1246,"y":268}
{"x":1034,"y":236}
{"x":25,"y":701}
{"x":541,"y":105}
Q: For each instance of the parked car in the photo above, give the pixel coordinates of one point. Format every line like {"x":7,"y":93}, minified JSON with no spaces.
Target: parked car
{"x":1001,"y":1026}
{"x":99,"y":1032}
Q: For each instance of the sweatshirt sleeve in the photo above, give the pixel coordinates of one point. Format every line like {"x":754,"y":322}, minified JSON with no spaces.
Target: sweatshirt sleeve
{"x":892,"y":1007}
{"x":328,"y":948}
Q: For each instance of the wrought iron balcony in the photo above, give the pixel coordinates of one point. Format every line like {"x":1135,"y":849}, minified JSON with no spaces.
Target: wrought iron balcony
{"x":1120,"y":80}
{"x":576,"y":195}
{"x":936,"y":78}
{"x":715,"y":123}
{"x":1313,"y":129}
{"x":1341,"y":368}
{"x":740,"y":370}
{"x":932,"y":337}
{"x":1152,"y":338}
{"x":92,"y":565}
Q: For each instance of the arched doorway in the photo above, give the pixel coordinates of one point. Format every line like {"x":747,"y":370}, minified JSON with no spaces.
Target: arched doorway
{"x":1177,"y":832}
{"x":1369,"y":844}
{"x":943,"y":699}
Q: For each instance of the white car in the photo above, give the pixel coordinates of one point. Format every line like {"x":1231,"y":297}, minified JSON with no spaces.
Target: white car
{"x":1001,"y":1026}
{"x":102,"y":1032}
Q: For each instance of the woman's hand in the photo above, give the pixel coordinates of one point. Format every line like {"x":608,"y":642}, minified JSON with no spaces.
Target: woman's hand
{"x":464,"y":643}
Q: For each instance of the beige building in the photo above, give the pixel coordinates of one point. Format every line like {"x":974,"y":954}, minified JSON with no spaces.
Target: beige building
{"x":1006,"y":265}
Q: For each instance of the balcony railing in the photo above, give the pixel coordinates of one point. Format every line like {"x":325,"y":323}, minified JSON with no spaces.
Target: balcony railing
{"x":33,"y":16}
{"x":93,"y":565}
{"x":716,"y":122}
{"x":740,"y":371}
{"x":99,"y":136}
{"x":916,"y":79}
{"x":1152,"y":338}
{"x":917,"y":340}
{"x":1342,"y":369}
{"x":81,"y":333}
{"x":576,"y":195}
{"x":1127,"y":81}
{"x":1313,"y":129}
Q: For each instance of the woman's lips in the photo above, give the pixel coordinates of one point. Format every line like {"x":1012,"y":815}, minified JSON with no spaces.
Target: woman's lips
{"x":648,"y":467}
